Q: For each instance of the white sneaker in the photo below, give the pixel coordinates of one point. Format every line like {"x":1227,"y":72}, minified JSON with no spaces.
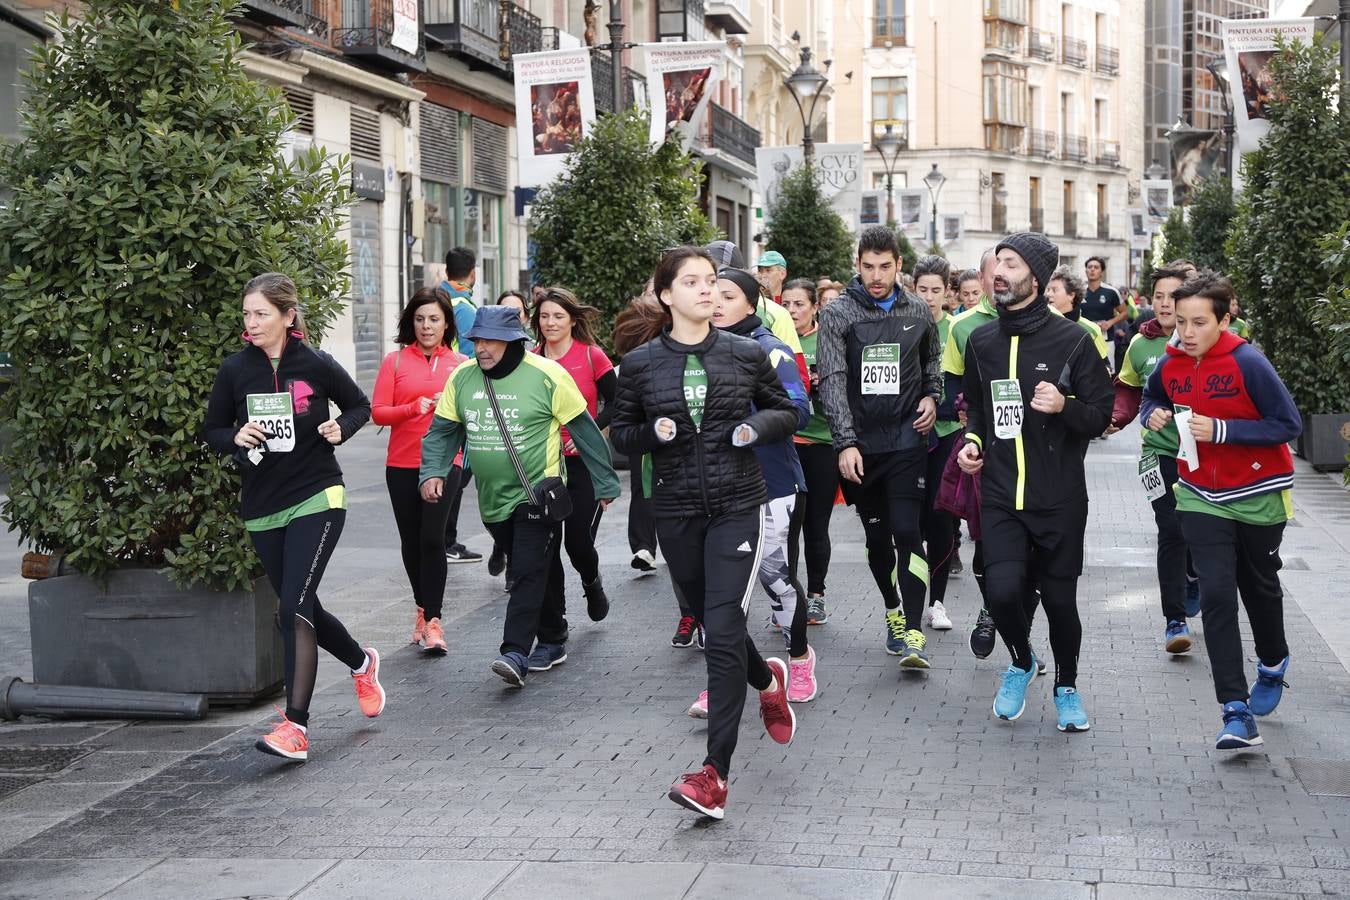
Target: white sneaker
{"x":937,"y":618}
{"x":644,"y":562}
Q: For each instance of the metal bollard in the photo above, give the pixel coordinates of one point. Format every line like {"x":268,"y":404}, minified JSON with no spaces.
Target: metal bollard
{"x":61,"y":701}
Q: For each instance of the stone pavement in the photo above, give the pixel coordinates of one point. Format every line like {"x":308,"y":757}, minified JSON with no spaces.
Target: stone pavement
{"x":895,"y":783}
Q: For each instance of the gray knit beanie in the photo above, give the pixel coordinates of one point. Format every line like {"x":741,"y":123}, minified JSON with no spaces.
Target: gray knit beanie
{"x":1037,"y":251}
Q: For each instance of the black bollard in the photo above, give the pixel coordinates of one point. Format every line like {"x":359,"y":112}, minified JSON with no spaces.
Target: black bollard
{"x":60,"y":701}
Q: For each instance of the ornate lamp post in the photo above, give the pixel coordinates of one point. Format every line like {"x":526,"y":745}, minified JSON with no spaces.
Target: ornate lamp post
{"x":889,"y":146}
{"x":807,"y":85}
{"x":934,"y":181}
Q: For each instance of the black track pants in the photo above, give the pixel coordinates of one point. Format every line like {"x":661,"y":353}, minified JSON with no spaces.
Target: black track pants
{"x":536,"y":608}
{"x":939,"y":537}
{"x":580,"y":527}
{"x":811,"y":517}
{"x":455,"y":484}
{"x":641,"y":525}
{"x":421,"y":536}
{"x":1173,"y":560}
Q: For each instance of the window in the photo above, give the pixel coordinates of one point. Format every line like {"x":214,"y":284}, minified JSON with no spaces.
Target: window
{"x":1037,"y":210}
{"x":676,"y":21}
{"x":1005,"y":105}
{"x":998,"y":210}
{"x":890,"y":106}
{"x":1070,"y":216}
{"x":899,"y":181}
{"x":888,"y":23}
{"x":1014,"y":11}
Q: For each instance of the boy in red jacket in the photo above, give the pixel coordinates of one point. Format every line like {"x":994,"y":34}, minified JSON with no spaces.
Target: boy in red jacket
{"x":1234,"y":504}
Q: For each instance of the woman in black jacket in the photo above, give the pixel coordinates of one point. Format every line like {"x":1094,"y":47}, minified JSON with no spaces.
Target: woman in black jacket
{"x":698,"y":400}
{"x":269,"y":408}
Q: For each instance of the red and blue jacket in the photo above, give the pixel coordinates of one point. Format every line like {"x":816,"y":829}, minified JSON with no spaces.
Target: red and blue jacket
{"x":1254,"y":418}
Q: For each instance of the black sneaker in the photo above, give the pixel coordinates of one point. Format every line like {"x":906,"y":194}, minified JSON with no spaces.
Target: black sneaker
{"x":497,"y":561}
{"x":597,"y":604}
{"x":686,"y":633}
{"x":983,"y":636}
{"x":957,"y":568}
{"x":458,"y":553}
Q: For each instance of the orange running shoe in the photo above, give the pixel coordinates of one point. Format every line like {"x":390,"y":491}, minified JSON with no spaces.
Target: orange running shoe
{"x":433,"y":638}
{"x":419,"y":626}
{"x":287,"y":740}
{"x":369,"y":694}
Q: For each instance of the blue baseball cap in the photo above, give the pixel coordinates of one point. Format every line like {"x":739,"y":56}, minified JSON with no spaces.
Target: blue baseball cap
{"x":496,"y":323}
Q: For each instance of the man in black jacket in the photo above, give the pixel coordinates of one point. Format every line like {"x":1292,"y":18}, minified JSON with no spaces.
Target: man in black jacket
{"x":1037,"y":395}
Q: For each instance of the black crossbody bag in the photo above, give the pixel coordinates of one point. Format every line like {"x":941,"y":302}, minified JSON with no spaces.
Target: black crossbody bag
{"x":550,"y":494}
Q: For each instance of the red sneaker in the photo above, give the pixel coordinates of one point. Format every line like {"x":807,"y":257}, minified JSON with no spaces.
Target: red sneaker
{"x":369,"y":694}
{"x":419,"y":626}
{"x":703,"y":791}
{"x":433,"y":638}
{"x":779,"y":720}
{"x":287,"y":740}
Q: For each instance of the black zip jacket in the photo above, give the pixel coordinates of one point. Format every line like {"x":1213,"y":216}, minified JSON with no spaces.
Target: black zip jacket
{"x":700,"y":473}
{"x":313,"y":378}
{"x":1042,"y":468}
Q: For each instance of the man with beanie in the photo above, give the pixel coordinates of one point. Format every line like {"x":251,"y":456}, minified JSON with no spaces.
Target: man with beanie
{"x":536,"y":397}
{"x":1037,"y":394}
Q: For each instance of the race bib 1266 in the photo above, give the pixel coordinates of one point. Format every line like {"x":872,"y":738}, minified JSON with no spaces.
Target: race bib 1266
{"x":880,"y":369}
{"x":1150,"y":476}
{"x":1008,"y":409}
{"x":274,"y":414}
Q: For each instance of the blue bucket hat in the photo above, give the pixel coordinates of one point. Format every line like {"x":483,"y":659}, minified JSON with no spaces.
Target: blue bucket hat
{"x":496,"y":323}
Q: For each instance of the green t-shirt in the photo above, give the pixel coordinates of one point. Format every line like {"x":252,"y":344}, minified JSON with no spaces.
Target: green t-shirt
{"x":1240,"y":328}
{"x":1265,"y":509}
{"x":945,"y":427}
{"x":1143,"y":356}
{"x":954,"y":347}
{"x":817,"y":430}
{"x":334,"y":497}
{"x":537,"y":399}
{"x":695,"y":387}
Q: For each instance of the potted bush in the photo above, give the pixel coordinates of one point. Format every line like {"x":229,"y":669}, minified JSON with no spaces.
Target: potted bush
{"x":149,"y":189}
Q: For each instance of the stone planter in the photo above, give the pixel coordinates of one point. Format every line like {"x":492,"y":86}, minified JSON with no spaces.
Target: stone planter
{"x":1325,"y":441}
{"x":146,"y":633}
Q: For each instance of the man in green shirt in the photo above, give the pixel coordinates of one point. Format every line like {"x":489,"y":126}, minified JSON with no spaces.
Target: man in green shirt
{"x":536,"y":398}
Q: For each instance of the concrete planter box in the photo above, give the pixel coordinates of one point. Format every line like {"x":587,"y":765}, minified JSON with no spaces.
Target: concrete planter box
{"x":146,"y":633}
{"x":1325,"y":441}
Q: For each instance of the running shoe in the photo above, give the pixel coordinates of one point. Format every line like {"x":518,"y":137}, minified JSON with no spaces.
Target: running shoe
{"x":895,"y":632}
{"x":511,"y":668}
{"x":936,"y":618}
{"x":369,"y":694}
{"x":458,"y":553}
{"x":1177,"y":637}
{"x":802,"y":687}
{"x":816,"y":613}
{"x":779,"y":719}
{"x":1069,"y":706}
{"x":546,"y":656}
{"x":686,"y":633}
{"x":1268,"y":687}
{"x":1011,"y":700}
{"x":1040,"y":662}
{"x":644,"y":562}
{"x":914,"y":657}
{"x":703,"y":791}
{"x":1239,"y":728}
{"x":433,"y":638}
{"x":497,"y":561}
{"x":983,"y":636}
{"x":699,"y":708}
{"x":956,"y":568}
{"x":1192,"y":597}
{"x":287,"y":740}
{"x":419,"y":623}
{"x":597,"y":604}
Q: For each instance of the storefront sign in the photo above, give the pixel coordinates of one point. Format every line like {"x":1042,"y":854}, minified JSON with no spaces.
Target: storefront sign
{"x":367,"y":180}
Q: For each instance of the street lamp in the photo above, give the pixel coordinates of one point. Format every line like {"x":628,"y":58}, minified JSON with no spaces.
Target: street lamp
{"x":1219,"y":69}
{"x":934,"y":181}
{"x":889,"y":146}
{"x":807,"y":85}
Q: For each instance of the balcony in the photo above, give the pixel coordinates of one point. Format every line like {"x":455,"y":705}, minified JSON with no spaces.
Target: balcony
{"x":602,"y":77}
{"x":1075,"y":52}
{"x":1070,"y":223}
{"x":1108,"y":60}
{"x":1075,"y":148}
{"x":731,"y":134}
{"x":1040,"y":45}
{"x":1103,"y":228}
{"x":309,"y":15}
{"x":1038,"y":219}
{"x":471,"y":30}
{"x":1108,"y":153}
{"x":731,"y":16}
{"x":368,"y":32}
{"x":1042,"y":144}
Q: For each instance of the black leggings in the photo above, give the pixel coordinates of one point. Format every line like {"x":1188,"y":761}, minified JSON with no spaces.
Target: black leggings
{"x":938,"y":534}
{"x":294,"y":558}
{"x":1012,"y":590}
{"x":421,"y":536}
{"x":820,"y":465}
{"x":580,"y":527}
{"x":641,"y":525}
{"x":455,"y":484}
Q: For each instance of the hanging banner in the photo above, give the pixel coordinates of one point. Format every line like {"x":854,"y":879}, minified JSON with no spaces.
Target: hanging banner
{"x":771,"y":166}
{"x":1140,"y":234}
{"x":1157,"y":200}
{"x":555,"y":109}
{"x":953,"y":229}
{"x":873,"y":208}
{"x":909,"y":216}
{"x":405,"y":26}
{"x":1249,"y":46}
{"x":1195,"y":152}
{"x":681,"y":78}
{"x":839,"y":167}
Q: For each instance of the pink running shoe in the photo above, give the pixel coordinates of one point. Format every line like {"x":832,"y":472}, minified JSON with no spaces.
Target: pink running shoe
{"x":369,"y":694}
{"x":419,"y":626}
{"x":802,"y":686}
{"x":700,"y":708}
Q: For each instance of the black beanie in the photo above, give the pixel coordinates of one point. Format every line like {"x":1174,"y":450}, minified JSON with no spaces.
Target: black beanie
{"x":748,"y":284}
{"x":1037,"y":251}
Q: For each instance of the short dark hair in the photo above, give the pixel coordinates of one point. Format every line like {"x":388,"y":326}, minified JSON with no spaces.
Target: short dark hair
{"x":583,"y":316}
{"x":1179,"y":272}
{"x":459,"y":263}
{"x":803,"y":284}
{"x":1073,"y":285}
{"x":878,"y":239}
{"x":967,"y":275}
{"x":1207,"y":285}
{"x":1098,"y":260}
{"x":669,"y":267}
{"x":407,"y":331}
{"x":932,"y":265}
{"x":1181,"y":264}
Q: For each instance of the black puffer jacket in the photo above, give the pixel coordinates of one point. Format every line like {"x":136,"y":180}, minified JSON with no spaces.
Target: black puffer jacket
{"x":700,"y":473}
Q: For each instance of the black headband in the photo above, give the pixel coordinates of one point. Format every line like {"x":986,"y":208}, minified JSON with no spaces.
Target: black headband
{"x":743,"y":280}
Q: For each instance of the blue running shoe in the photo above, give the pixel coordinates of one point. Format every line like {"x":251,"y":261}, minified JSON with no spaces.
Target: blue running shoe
{"x":1011,"y":699}
{"x":1239,"y":728}
{"x":1192,"y":598}
{"x":1069,"y":705}
{"x":1268,"y":687}
{"x":1177,"y":637}
{"x":546,"y":656}
{"x":895,"y":632}
{"x":511,"y":668}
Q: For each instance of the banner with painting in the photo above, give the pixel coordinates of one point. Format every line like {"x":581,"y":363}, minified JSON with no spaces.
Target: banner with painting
{"x":1249,"y":46}
{"x":1194,"y":152}
{"x":873,"y":208}
{"x":1141,"y":235}
{"x":681,"y":78}
{"x":839,"y":167}
{"x":1157,"y":200}
{"x":953,"y":229}
{"x":909,"y":216}
{"x":555,"y":109}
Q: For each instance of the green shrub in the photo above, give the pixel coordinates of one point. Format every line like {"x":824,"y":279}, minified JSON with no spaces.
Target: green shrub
{"x":807,"y":231}
{"x":1211,"y":212}
{"x":1178,"y":242}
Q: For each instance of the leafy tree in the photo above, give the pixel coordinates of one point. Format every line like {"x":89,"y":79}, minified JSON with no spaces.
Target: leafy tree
{"x":1211,"y":212}
{"x":1145,"y":286}
{"x":909,"y":257}
{"x":807,"y":231}
{"x":1178,"y":241}
{"x":149,"y":189}
{"x":1297,"y":189}
{"x":600,"y":228}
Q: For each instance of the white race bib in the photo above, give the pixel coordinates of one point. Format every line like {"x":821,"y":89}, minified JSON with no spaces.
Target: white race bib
{"x":274,"y":414}
{"x":1008,"y":409}
{"x":881,"y":369}
{"x":1151,"y":477}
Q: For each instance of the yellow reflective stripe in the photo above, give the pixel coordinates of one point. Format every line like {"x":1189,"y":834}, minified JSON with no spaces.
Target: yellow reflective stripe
{"x":975,"y":439}
{"x":1017,"y":442}
{"x":918,"y":567}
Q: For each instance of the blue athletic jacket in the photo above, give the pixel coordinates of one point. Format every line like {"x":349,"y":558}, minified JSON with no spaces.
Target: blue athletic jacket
{"x":782,"y":469}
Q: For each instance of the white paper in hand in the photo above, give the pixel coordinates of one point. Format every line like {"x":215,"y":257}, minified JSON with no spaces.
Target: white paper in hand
{"x":1187,"y":451}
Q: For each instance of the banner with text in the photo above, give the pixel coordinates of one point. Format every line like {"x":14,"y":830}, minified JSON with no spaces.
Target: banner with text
{"x":405,"y":26}
{"x":555,"y":109}
{"x":839,"y":167}
{"x":1249,"y":46}
{"x":1157,"y":194}
{"x":681,"y":78}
